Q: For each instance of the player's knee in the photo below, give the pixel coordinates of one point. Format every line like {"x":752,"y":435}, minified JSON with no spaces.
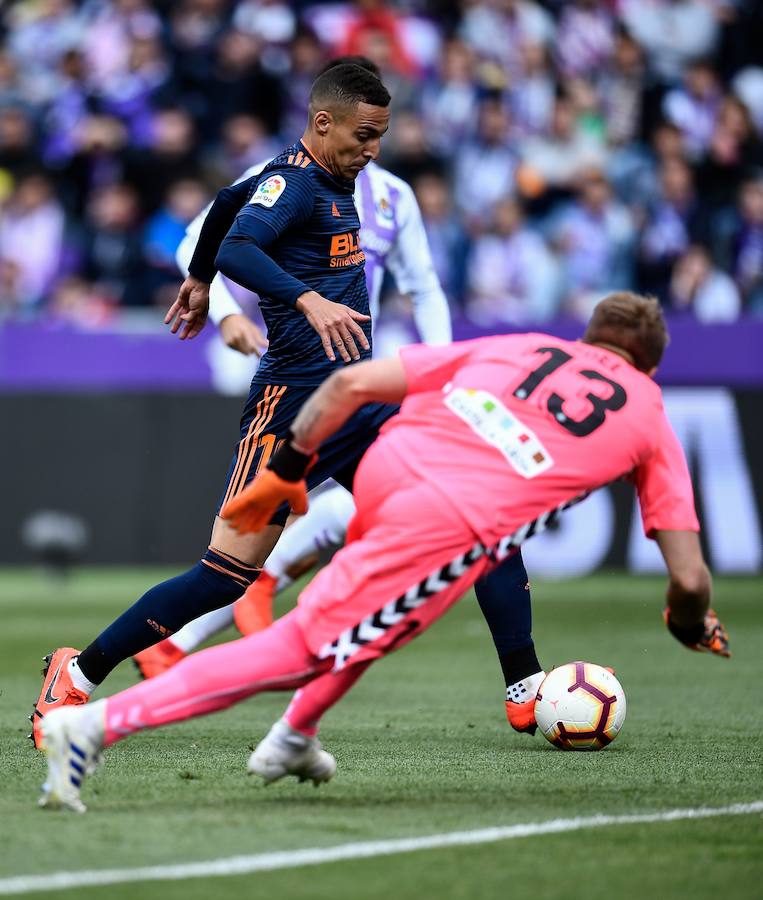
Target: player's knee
{"x":693,"y":580}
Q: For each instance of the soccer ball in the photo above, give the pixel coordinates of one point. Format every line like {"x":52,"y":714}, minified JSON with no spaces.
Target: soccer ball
{"x":580,"y":706}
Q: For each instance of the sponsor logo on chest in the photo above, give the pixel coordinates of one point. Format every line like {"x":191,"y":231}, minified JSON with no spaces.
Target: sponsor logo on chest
{"x":345,"y":250}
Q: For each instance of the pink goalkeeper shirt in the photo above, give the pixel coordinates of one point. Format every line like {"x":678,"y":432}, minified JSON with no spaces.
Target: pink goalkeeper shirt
{"x":509,"y":427}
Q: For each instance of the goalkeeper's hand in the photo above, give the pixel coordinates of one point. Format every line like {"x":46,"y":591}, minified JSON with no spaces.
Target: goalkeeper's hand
{"x":708,"y":636}
{"x":283,"y":481}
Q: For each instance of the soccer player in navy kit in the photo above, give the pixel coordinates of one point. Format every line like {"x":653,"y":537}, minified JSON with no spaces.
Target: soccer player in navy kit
{"x":295,"y":243}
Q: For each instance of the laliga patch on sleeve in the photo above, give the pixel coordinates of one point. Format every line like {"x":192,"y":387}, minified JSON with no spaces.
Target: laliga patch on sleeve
{"x":269,"y":191}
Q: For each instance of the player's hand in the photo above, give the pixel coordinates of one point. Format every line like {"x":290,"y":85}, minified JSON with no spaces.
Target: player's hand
{"x":708,"y":637}
{"x":336,"y":324}
{"x":190,"y":309}
{"x":253,"y":508}
{"x":240,"y":333}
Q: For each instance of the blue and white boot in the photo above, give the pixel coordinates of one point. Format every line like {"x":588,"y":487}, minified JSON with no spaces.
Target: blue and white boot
{"x":72,"y":740}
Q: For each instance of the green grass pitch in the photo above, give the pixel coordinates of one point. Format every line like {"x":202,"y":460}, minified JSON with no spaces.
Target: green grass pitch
{"x":422,"y":748}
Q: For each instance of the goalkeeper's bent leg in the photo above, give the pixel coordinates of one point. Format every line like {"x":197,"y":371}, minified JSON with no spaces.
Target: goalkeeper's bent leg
{"x":214,"y":679}
{"x":311,"y":702}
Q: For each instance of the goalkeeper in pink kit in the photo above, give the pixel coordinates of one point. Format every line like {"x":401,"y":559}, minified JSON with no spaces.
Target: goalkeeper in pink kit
{"x":496,"y":437}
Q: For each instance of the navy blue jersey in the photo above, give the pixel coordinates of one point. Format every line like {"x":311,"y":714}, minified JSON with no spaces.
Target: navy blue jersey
{"x":305,"y":220}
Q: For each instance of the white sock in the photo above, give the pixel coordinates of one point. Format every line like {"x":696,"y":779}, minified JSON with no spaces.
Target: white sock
{"x":78,"y":679}
{"x":325,"y":524}
{"x":526,"y":689}
{"x":196,"y":632}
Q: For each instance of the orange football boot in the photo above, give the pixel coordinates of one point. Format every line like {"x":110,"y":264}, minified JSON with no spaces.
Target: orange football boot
{"x":254,"y":611}
{"x":57,"y":690}
{"x":520,"y":703}
{"x":157,"y":659}
{"x":521,"y":716}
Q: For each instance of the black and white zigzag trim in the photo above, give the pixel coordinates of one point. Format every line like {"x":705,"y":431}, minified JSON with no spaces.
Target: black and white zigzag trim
{"x":374,"y":626}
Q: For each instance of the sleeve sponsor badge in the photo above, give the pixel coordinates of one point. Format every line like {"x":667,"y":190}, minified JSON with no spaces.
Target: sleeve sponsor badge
{"x":269,"y":191}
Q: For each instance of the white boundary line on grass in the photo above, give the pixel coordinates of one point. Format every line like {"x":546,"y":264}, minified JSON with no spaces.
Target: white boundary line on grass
{"x":292,"y":859}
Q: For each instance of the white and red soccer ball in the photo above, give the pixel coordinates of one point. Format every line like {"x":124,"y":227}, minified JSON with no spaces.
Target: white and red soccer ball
{"x":580,"y":706}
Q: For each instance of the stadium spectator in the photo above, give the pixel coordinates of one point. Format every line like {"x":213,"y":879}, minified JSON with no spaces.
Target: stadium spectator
{"x":244,"y":141}
{"x":533,"y":92}
{"x":674,"y":33}
{"x":31,"y":241}
{"x":237,"y":83}
{"x":11,"y":93}
{"x":38,"y":36}
{"x":551,"y":162}
{"x":585,"y":38}
{"x":699,"y":288}
{"x":594,"y":235}
{"x":485,"y":167}
{"x":673,"y":220}
{"x":112,"y":246}
{"x":513,"y":277}
{"x":111,"y":30}
{"x":18,"y":152}
{"x":741,"y":240}
{"x":307,"y":55}
{"x":375,"y":29}
{"x":448,"y":242}
{"x":272,"y":21}
{"x":132,"y":93}
{"x":75,"y":301}
{"x":409,"y":152}
{"x":67,"y":113}
{"x":620,"y":87}
{"x":733,"y":152}
{"x":183,"y":201}
{"x":498,"y":30}
{"x":694,"y":106}
{"x":169,"y":155}
{"x":449,"y":98}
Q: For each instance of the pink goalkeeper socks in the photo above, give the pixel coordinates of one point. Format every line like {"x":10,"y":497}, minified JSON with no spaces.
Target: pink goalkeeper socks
{"x":214,"y":679}
{"x":310,"y":702}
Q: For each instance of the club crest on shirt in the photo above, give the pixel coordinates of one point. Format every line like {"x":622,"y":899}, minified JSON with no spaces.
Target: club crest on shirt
{"x":269,"y":191}
{"x":384,"y":209}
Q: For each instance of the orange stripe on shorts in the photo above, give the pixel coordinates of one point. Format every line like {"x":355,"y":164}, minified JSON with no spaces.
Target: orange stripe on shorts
{"x":243,"y":444}
{"x":247,"y":457}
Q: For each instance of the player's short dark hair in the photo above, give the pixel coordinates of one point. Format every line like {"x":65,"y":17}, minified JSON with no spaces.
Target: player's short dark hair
{"x":363,"y":61}
{"x":633,"y":323}
{"x":346,"y":85}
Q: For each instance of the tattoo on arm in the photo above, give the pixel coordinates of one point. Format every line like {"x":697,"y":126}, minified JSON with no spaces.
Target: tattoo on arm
{"x":324,"y":413}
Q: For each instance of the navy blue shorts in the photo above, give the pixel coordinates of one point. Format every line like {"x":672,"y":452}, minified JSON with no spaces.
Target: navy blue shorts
{"x":268,"y":415}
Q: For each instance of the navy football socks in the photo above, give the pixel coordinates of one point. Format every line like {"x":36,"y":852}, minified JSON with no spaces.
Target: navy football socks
{"x":215,"y":581}
{"x":504,"y":598}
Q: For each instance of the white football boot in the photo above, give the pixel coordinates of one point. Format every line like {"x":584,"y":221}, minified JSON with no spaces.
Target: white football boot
{"x":72,"y":740}
{"x":285,"y":751}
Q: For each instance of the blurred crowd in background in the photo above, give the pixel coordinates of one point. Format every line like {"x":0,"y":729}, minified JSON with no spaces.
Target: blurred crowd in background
{"x":558,"y":150}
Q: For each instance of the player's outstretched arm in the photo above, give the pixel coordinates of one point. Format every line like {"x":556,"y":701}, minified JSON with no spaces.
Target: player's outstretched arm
{"x":688,"y":614}
{"x":324,"y":413}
